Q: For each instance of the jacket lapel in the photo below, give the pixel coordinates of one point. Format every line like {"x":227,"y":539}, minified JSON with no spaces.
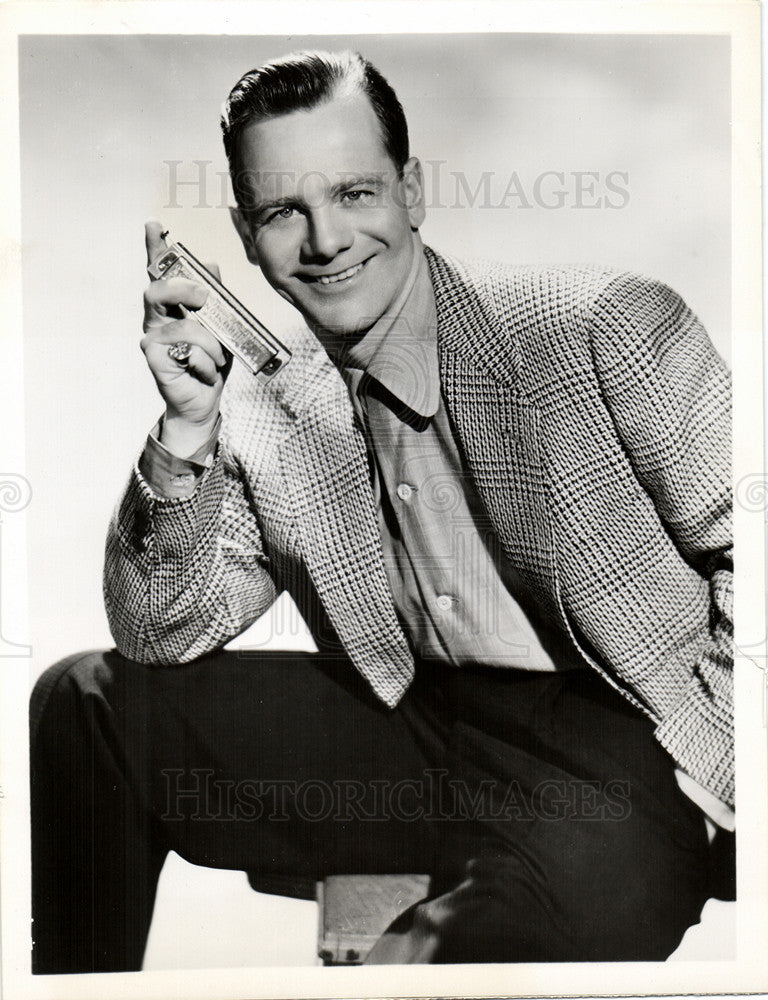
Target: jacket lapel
{"x":325,"y":469}
{"x":499,"y":428}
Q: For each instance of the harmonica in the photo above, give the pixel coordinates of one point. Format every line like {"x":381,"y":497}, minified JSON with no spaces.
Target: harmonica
{"x":222,"y":315}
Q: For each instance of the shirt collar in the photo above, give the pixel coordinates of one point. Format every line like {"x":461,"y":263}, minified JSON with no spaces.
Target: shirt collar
{"x":400,"y":349}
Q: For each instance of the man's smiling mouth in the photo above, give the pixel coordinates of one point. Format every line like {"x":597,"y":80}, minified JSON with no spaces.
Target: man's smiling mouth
{"x":333,"y":279}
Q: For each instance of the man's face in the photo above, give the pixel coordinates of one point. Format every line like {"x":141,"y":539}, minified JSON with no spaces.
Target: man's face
{"x":328,"y":221}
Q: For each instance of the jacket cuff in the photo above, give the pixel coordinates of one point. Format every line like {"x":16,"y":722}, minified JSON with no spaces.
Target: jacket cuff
{"x":172,"y":476}
{"x":153,"y":527}
{"x":698,"y":733}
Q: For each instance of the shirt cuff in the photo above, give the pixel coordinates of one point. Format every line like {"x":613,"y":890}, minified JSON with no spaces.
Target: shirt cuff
{"x":169,"y":475}
{"x":717,"y":811}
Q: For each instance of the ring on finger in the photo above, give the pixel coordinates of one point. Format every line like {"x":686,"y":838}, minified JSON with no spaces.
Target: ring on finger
{"x":180,"y":352}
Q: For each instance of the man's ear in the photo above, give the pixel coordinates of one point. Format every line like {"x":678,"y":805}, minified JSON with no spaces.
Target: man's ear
{"x":244,"y":232}
{"x":412,"y":189}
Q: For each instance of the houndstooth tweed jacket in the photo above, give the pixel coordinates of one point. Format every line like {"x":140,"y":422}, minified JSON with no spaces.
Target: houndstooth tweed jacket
{"x":594,"y":414}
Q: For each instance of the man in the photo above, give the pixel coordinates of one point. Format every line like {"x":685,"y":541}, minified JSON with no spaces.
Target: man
{"x":500,"y":499}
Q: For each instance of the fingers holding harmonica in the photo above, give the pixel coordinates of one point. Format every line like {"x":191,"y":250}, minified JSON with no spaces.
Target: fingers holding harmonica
{"x":169,"y":364}
{"x":194,"y":360}
{"x":171,"y":297}
{"x":205,"y":357}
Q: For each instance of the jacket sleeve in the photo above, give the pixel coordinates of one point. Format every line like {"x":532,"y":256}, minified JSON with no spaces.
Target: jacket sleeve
{"x":184,"y":575}
{"x":668,"y":392}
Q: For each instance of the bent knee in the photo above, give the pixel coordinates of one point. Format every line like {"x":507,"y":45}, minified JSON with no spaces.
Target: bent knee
{"x":69,"y":679}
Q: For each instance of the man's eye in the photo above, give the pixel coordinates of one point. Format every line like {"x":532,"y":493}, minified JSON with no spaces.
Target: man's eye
{"x":286,"y":212}
{"x":359,"y":194}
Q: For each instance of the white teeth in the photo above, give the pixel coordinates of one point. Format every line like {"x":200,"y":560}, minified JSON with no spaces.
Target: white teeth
{"x":331,"y":279}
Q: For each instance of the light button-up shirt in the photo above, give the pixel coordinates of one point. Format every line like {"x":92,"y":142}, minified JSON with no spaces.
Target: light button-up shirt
{"x":458,"y":597}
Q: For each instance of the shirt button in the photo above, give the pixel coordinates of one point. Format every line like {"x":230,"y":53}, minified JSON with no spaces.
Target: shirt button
{"x":444,"y":602}
{"x":404,"y":491}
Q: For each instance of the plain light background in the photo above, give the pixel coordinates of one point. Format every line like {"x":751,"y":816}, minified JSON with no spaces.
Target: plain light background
{"x":103,"y":117}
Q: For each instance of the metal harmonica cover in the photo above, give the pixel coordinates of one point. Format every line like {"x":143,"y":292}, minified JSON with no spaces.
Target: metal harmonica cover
{"x":223,"y":315}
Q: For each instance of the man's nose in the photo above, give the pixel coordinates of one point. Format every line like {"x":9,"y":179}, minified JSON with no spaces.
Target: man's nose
{"x":328,"y":233}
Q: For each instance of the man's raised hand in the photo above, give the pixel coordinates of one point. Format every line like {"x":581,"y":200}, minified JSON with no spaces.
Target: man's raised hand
{"x":191,"y":387}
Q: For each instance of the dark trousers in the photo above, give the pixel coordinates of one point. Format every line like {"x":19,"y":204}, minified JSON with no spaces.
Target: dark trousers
{"x":540,"y":804}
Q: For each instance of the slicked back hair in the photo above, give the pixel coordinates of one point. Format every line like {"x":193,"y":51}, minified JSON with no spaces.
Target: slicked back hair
{"x":301,"y":81}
